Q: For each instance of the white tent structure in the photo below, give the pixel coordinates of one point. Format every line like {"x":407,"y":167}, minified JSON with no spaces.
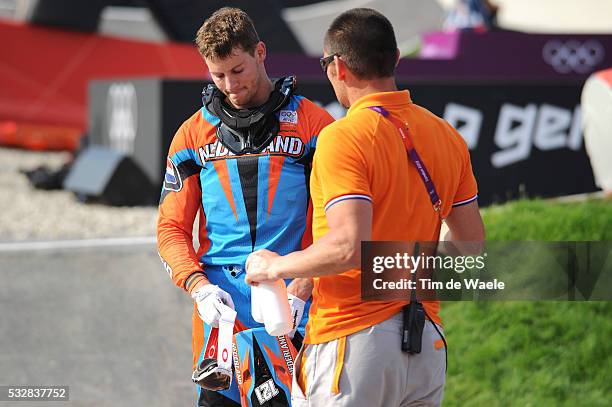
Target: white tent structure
{"x":410,"y":18}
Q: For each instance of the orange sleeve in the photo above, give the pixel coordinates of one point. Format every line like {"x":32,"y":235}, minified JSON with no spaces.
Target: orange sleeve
{"x":318,"y":119}
{"x":344,"y":176}
{"x":179,"y":204}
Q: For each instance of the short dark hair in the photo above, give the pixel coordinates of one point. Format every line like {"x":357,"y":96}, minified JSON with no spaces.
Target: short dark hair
{"x":225,"y":29}
{"x":365,"y":41}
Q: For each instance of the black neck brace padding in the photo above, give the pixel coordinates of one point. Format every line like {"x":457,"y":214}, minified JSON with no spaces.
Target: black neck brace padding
{"x":248,"y":131}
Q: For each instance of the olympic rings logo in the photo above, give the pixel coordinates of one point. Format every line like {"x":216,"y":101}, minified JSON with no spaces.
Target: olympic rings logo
{"x":573,"y":56}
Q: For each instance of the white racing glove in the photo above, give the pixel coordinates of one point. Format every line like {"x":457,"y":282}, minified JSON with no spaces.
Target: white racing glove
{"x":297,"y":311}
{"x":208,"y":297}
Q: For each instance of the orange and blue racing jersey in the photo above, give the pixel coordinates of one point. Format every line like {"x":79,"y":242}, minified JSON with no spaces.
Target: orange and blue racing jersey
{"x":243,"y":202}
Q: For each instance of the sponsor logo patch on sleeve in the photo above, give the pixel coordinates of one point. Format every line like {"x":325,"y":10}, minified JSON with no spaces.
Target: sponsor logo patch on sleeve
{"x":172,"y":178}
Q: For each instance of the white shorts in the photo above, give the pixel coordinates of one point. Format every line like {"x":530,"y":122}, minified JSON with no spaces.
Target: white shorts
{"x":369,"y":369}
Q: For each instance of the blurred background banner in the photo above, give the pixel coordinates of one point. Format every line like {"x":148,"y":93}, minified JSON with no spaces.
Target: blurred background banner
{"x":525,"y":137}
{"x":514,"y":97}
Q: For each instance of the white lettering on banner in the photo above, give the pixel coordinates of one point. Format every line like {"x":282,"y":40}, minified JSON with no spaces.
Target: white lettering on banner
{"x":547,"y":128}
{"x":519,"y":128}
{"x":515,"y":141}
{"x":574,"y":141}
{"x":550,"y":126}
{"x":466,"y":120}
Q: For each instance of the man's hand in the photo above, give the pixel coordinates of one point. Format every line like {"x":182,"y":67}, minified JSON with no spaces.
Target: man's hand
{"x":301,"y":287}
{"x":260,"y":267}
{"x":208,"y":297}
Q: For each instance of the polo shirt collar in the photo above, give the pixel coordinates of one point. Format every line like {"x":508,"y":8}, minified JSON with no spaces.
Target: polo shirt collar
{"x":390,"y":99}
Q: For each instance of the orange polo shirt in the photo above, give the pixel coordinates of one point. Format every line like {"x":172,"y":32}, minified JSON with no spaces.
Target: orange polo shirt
{"x":362,"y":156}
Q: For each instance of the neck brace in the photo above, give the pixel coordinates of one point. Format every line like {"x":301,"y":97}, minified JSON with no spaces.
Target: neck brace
{"x":248,"y":131}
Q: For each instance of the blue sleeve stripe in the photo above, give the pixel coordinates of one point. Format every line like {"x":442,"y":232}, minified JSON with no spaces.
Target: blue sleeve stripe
{"x":311,"y":145}
{"x":294,"y":102}
{"x":465,"y":202}
{"x":184,"y":155}
{"x":313,"y":141}
{"x":213,"y":120}
{"x":346,"y":197}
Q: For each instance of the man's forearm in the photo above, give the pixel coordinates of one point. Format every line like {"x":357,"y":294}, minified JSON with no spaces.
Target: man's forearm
{"x":329,"y":255}
{"x":350,"y":223}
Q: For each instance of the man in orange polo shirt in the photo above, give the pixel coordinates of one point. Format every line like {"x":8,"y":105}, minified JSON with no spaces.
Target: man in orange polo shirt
{"x":364,"y":187}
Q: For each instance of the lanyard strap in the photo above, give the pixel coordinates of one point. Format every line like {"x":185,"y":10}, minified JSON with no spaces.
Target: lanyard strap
{"x":413,"y":156}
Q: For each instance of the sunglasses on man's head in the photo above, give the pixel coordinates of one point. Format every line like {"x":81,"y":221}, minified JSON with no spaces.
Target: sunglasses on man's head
{"x":325,"y":61}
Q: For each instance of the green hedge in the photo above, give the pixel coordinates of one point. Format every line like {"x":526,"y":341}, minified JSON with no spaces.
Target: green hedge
{"x":533,"y":353}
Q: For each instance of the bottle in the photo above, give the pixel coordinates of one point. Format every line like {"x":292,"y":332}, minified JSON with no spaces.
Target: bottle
{"x":270,"y":306}
{"x":256,"y":310}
